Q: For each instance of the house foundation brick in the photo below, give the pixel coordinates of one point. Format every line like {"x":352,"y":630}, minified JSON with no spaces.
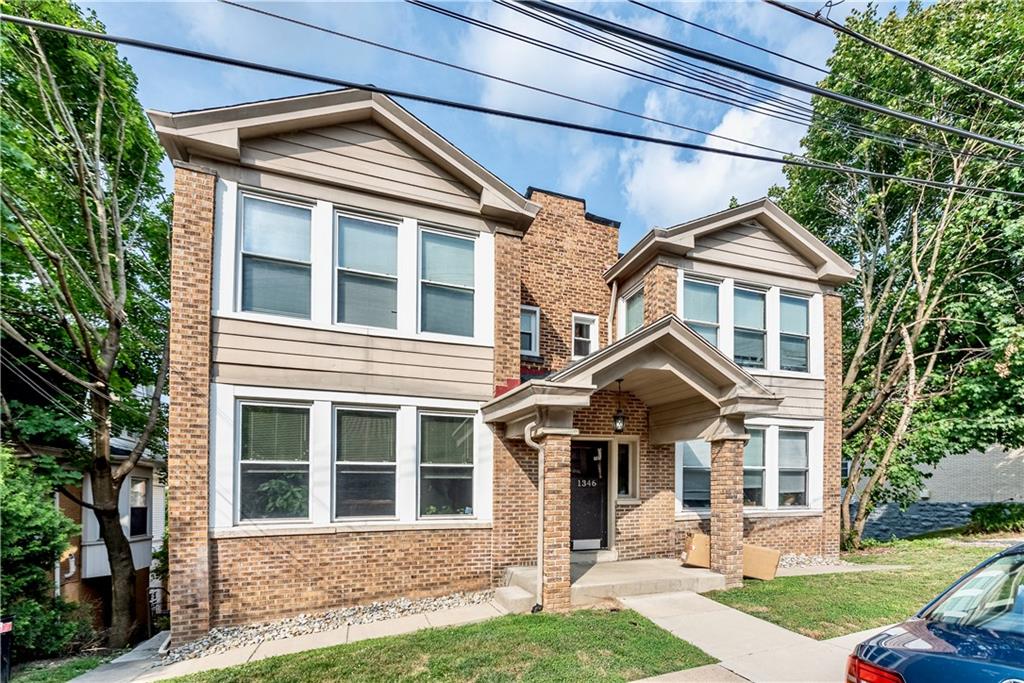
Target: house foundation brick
{"x":727,"y":509}
{"x":189,"y":420}
{"x":555,"y":579}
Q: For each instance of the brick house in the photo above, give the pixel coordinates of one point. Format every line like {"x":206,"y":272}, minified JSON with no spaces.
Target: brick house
{"x":392,"y":374}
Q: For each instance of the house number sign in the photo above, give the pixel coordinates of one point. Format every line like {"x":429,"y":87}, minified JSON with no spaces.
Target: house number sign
{"x":586,"y":483}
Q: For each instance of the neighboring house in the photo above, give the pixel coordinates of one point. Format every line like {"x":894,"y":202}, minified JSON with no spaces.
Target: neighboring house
{"x":956,"y":485}
{"x":380,"y":353}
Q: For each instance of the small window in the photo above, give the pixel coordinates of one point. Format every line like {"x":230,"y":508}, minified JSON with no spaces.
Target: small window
{"x":446,"y":284}
{"x":696,"y":456}
{"x":634,"y":317}
{"x":700,"y":309}
{"x":275,"y":257}
{"x":626,"y":471}
{"x":529,"y":331}
{"x":844,"y":468}
{"x":794,"y":338}
{"x":792,"y":468}
{"x":138,"y":503}
{"x":753,"y":469}
{"x":584,"y":334}
{"x":749,"y":333}
{"x":364,"y":467}
{"x":367,"y":272}
{"x":446,"y":465}
{"x":274,"y":462}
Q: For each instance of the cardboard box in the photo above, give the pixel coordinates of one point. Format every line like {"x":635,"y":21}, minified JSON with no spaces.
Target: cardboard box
{"x":759,"y":562}
{"x":698,"y":551}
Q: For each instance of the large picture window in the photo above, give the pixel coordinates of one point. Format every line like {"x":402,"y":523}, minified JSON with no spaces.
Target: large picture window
{"x":753,"y":469}
{"x":793,"y":458}
{"x":749,"y":331}
{"x":634,"y":314}
{"x":794,"y":337}
{"x":273,"y":462}
{"x":367,"y":272}
{"x":446,"y":283}
{"x":700,"y":309}
{"x":275,"y":257}
{"x":364,"y":466}
{"x":446,"y":465}
{"x":696,"y":463}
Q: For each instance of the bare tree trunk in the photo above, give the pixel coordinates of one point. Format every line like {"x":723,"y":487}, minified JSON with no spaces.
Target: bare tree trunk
{"x":122,"y":576}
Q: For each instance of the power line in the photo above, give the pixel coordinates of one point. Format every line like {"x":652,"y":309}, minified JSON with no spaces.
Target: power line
{"x":725,"y":62}
{"x":920,"y":63}
{"x":466,"y":106}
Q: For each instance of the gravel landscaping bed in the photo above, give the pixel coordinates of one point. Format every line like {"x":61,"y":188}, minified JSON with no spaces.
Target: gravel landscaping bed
{"x":787,"y":561}
{"x":222,"y":639}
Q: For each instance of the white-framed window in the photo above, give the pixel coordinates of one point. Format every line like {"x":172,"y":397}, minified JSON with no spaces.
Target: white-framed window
{"x":633,"y":312}
{"x":749,"y":330}
{"x":794,"y":333}
{"x":138,"y":507}
{"x":367,"y":272}
{"x":274,"y":250}
{"x":753,"y":469}
{"x":627,"y":470}
{"x":695,"y":473}
{"x":364,"y":462}
{"x":273,"y":462}
{"x":700,"y":308}
{"x":447,"y":283}
{"x":446,"y":448}
{"x":793,"y":466}
{"x":584,"y":334}
{"x":529,"y":331}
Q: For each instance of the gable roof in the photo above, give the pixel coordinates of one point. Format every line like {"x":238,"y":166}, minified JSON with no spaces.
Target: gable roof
{"x":218,"y":133}
{"x":830,"y":267}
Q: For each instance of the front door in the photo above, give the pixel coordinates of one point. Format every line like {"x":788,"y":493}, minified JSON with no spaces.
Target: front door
{"x":588,"y":516}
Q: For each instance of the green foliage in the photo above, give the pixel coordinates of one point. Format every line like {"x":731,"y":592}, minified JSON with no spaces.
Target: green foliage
{"x":58,"y":671}
{"x":35,"y":533}
{"x":997,"y":517}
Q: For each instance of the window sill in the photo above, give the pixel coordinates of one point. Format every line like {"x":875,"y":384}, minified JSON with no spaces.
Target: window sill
{"x":763,"y":372}
{"x":248,"y":531}
{"x":628,"y":501}
{"x":750,"y":513}
{"x":532,"y":357}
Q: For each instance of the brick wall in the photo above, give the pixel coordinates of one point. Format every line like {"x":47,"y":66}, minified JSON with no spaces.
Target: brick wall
{"x":833,"y":446}
{"x":507,"y":271}
{"x":555,"y":584}
{"x":189,"y":423}
{"x":660,"y":292}
{"x":727,"y":509}
{"x":515,"y":504}
{"x":271,"y":577}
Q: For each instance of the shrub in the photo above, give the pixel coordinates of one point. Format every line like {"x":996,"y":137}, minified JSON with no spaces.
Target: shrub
{"x":35,"y":533}
{"x":997,"y":517}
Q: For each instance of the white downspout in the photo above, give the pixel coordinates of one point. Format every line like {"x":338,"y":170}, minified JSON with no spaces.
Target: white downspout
{"x":611,"y":311}
{"x":528,"y":438}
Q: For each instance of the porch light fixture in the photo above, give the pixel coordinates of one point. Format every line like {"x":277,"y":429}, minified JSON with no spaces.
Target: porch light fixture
{"x":619,"y":419}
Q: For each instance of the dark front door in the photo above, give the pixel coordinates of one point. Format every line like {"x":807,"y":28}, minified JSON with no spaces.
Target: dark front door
{"x":588,"y":516}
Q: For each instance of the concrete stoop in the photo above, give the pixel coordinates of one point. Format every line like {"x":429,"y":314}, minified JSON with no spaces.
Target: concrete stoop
{"x":595,"y":583}
{"x":514,"y":599}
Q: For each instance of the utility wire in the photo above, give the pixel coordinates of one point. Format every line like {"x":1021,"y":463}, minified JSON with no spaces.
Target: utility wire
{"x":725,"y":62}
{"x":466,"y":106}
{"x":920,"y":63}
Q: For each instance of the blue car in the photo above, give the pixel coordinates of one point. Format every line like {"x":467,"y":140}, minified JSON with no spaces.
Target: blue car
{"x":972,"y":633}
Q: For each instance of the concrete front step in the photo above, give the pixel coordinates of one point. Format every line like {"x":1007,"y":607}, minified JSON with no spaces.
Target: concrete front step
{"x":514,"y":599}
{"x":593,"y":583}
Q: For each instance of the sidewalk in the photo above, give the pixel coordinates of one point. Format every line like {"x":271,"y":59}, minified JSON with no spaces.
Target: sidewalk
{"x":143,"y":663}
{"x":749,"y":648}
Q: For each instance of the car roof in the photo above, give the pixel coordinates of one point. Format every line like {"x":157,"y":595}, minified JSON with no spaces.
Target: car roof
{"x":1014,"y":550}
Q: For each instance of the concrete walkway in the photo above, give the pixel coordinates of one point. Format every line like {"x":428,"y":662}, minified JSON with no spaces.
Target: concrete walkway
{"x":747,"y":647}
{"x":145,"y":666}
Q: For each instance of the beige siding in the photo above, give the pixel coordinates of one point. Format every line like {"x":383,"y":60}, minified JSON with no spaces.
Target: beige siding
{"x":801,"y":397}
{"x":361,"y":155}
{"x":754,"y":247}
{"x":266,"y":354}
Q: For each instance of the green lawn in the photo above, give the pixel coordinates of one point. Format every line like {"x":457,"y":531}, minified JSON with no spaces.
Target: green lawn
{"x":582,"y":646}
{"x":58,"y":671}
{"x":831,"y":605}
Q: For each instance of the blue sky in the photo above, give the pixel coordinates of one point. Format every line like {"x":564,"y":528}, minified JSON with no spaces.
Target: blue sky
{"x":642,"y":185}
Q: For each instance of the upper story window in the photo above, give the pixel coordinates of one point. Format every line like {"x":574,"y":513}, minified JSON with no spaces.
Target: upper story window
{"x":700,"y":308}
{"x":275,"y":257}
{"x":367,"y":272}
{"x":584,"y":334}
{"x":364,"y":463}
{"x":138,"y":506}
{"x":446,"y":283}
{"x":753,"y":469}
{"x":446,"y":464}
{"x":529,"y":331}
{"x":273,"y":477}
{"x":793,"y":465}
{"x":794,"y":333}
{"x":634,"y":312}
{"x":749,"y":328}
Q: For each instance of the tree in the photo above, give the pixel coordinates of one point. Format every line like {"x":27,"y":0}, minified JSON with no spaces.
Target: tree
{"x":85,"y":249}
{"x":934,"y":328}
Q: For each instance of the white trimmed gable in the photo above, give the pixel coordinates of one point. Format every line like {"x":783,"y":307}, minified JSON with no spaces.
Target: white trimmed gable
{"x":752,"y":246}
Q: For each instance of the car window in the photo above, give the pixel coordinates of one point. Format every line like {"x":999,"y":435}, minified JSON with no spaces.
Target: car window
{"x":990,"y":598}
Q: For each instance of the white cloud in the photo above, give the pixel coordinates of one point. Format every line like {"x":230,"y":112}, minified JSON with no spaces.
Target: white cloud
{"x":584,"y":163}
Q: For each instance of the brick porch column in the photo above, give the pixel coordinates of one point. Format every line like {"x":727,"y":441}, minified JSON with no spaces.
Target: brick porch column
{"x":727,"y":509}
{"x":189,"y":421}
{"x":660,"y":292}
{"x":555,"y":580}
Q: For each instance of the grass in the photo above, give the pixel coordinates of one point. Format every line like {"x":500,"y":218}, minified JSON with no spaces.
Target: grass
{"x":58,"y":670}
{"x":832,"y":605}
{"x":581,"y":646}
